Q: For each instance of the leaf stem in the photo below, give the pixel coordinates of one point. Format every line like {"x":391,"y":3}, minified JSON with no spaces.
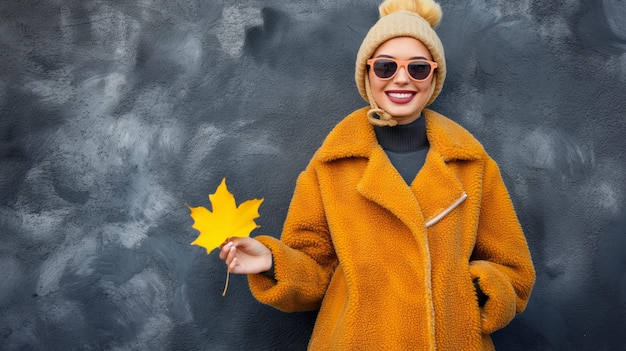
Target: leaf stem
{"x":226,"y":285}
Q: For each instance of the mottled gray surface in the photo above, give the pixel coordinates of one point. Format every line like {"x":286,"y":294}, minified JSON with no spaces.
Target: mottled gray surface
{"x":114,"y":114}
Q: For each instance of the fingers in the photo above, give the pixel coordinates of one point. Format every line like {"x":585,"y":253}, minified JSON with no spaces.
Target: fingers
{"x":224,"y":249}
{"x":228,"y":253}
{"x":231,"y":256}
{"x":232,"y":267}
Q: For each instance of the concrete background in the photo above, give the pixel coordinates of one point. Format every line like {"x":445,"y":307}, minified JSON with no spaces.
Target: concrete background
{"x":114,"y":114}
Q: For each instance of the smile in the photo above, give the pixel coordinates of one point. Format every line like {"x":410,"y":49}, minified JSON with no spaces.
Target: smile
{"x":400,"y":97}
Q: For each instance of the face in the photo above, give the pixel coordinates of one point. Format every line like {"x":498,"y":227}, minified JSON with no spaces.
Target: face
{"x":401,"y":96}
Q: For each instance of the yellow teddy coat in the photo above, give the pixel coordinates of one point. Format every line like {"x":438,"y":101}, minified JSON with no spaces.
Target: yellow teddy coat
{"x":390,"y":266}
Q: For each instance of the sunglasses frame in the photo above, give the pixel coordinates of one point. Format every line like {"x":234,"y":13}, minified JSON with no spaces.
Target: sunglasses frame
{"x":402,"y":64}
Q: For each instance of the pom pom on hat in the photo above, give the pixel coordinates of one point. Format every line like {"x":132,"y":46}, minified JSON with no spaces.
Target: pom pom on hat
{"x":403,"y":18}
{"x":427,"y":9}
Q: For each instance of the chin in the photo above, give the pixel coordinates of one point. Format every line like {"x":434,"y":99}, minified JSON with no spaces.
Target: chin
{"x":405,"y":113}
{"x":402,"y":111}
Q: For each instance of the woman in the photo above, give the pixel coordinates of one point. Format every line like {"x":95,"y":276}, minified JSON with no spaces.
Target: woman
{"x":400,"y":231}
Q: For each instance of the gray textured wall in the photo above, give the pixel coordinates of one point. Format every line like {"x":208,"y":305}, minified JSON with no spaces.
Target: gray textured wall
{"x":114,"y":114}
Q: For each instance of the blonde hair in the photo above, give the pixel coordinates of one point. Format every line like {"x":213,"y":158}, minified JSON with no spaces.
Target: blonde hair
{"x":427,"y":9}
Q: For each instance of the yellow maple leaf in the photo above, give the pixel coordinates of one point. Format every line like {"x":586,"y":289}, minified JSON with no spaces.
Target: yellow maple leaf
{"x":226,"y":220}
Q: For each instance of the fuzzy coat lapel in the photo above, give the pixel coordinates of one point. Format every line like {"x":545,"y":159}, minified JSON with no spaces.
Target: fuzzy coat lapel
{"x":382,"y":184}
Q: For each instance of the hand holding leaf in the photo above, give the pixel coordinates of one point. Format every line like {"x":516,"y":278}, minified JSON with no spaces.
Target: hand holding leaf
{"x":227,"y":220}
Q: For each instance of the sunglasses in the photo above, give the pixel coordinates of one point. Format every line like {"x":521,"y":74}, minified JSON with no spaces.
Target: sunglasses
{"x":386,"y":68}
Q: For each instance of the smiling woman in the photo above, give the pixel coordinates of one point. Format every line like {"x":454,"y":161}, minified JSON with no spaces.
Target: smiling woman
{"x":397,"y":199}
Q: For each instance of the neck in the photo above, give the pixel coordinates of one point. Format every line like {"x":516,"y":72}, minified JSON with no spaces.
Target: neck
{"x":403,"y":137}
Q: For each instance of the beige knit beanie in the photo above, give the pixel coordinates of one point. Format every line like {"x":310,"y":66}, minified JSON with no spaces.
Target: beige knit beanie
{"x":401,"y":18}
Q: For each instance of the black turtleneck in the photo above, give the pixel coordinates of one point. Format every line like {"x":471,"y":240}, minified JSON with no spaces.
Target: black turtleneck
{"x":406,"y":146}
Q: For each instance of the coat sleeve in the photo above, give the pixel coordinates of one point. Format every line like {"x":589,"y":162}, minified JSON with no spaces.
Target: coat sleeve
{"x":501,"y":259}
{"x":304,"y":259}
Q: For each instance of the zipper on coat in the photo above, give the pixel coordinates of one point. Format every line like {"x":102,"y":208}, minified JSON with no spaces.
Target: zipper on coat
{"x":445,"y":212}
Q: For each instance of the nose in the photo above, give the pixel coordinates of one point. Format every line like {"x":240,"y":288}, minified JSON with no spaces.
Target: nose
{"x":402,"y":76}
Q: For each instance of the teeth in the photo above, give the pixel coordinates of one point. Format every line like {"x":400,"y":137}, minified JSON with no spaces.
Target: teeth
{"x":400,"y":95}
